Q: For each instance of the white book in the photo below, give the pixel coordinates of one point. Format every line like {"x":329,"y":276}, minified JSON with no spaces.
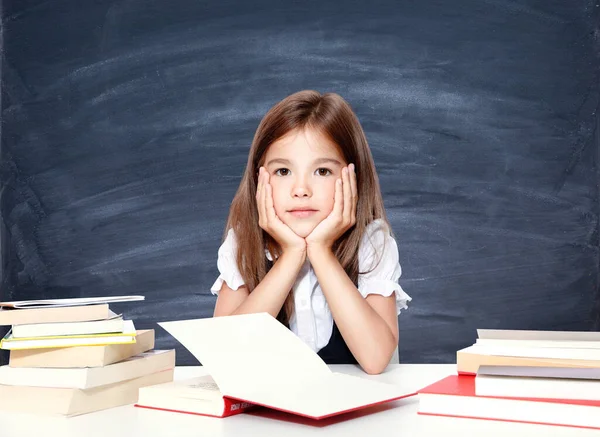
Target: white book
{"x":542,"y":388}
{"x":541,"y":371}
{"x":114,"y":323}
{"x":68,"y":402}
{"x":126,"y":337}
{"x":279,"y":370}
{"x":538,"y":343}
{"x":84,"y":378}
{"x":80,"y":301}
{"x":538,"y":339}
{"x":512,"y":334}
{"x":537,"y":352}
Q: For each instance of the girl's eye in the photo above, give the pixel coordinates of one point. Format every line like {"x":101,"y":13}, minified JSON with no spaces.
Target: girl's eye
{"x":321,"y":171}
{"x":324,"y":171}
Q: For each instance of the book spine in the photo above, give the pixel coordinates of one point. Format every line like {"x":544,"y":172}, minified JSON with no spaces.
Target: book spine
{"x":233,"y":407}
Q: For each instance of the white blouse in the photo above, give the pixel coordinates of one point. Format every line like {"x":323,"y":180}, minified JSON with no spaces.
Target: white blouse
{"x":312,"y":320}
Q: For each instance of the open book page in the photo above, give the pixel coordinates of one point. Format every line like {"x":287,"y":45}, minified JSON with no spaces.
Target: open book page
{"x":199,"y":388}
{"x":247,"y":350}
{"x":506,"y":334}
{"x":324,"y":396}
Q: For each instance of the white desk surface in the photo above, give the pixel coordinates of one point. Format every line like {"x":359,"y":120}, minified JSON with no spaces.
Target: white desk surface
{"x":397,"y":418}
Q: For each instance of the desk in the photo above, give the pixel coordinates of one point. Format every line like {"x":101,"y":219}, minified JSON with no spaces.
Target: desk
{"x":397,"y":418}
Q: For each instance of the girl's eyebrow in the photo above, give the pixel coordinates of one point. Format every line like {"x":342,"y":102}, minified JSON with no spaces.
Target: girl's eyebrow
{"x":315,"y":162}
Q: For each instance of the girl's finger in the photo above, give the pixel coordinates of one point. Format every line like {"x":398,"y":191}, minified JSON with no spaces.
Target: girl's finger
{"x":347,"y":195}
{"x":261,"y":197}
{"x":353,"y":190}
{"x":257,"y":185}
{"x":270,"y":209}
{"x":338,"y":202}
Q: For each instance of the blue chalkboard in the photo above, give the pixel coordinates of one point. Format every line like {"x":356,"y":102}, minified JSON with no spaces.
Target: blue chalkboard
{"x":126,"y":127}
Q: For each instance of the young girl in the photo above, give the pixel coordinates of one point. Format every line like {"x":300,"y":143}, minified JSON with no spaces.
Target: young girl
{"x":307,"y":239}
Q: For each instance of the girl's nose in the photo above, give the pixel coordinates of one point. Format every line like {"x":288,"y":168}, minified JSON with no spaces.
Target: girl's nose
{"x":300,"y":192}
{"x":301,"y":189}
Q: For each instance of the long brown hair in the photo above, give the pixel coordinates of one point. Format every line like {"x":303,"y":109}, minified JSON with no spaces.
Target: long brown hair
{"x":332,"y":116}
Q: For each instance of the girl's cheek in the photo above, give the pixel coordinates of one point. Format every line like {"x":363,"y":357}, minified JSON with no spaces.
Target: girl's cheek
{"x":331,"y":193}
{"x":329,"y":199}
{"x":276,"y":203}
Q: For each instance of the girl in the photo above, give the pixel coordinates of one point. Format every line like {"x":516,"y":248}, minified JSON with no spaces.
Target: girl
{"x":307,"y":239}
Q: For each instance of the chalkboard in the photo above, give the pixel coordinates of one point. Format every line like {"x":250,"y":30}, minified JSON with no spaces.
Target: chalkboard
{"x":126,"y":127}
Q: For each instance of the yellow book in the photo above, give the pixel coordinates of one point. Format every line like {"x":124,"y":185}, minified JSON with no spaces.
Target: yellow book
{"x":90,"y":356}
{"x":125,"y":337}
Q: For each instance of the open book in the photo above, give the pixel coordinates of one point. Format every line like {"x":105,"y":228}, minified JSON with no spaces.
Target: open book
{"x":253,"y":358}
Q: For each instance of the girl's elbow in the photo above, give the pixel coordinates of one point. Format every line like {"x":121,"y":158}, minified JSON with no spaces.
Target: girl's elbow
{"x":375,"y":366}
{"x":374,"y":369}
{"x":377,"y":363}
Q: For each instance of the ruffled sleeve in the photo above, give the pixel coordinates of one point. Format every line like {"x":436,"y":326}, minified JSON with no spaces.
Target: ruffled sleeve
{"x":383,"y":279}
{"x":227,"y":265}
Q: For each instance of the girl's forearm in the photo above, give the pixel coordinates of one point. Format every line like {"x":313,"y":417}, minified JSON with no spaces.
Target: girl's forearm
{"x":270,"y":294}
{"x":367,"y":335}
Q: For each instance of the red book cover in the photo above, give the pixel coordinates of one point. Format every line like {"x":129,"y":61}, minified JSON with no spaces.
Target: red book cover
{"x":327,"y":416}
{"x":464,"y":386}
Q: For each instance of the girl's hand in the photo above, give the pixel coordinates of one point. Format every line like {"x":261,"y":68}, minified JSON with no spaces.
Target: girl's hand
{"x":268,"y":220}
{"x":343,"y":215}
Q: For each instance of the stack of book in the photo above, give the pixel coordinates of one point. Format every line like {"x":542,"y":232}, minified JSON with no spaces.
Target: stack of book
{"x":543,"y":377}
{"x":74,"y":356}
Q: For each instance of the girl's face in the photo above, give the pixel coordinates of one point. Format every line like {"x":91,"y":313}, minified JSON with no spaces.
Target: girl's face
{"x":303,"y":166}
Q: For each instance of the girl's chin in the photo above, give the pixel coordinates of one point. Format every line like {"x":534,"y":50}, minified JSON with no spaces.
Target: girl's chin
{"x":302,"y":229}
